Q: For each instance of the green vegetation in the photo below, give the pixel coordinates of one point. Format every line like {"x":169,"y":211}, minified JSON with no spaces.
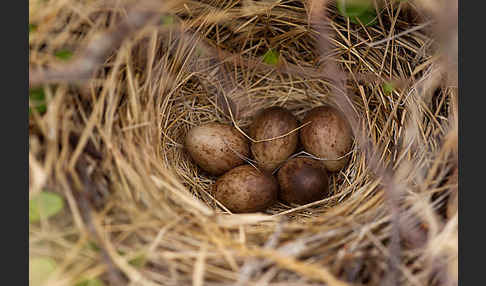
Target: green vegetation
{"x":64,"y":55}
{"x":138,"y":261}
{"x":32,"y":28}
{"x":388,"y":87}
{"x":167,"y":20}
{"x":358,"y":11}
{"x":91,"y":282}
{"x":271,"y":57}
{"x":39,"y":269}
{"x":45,"y":204}
{"x":37,"y":99}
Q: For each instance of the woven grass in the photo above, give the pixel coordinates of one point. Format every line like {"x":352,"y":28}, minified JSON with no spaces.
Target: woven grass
{"x":140,"y":212}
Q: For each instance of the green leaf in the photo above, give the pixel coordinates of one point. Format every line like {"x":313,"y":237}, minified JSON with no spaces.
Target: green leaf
{"x":39,"y":270}
{"x":37,"y":99}
{"x":32,"y":28}
{"x":388,"y":87}
{"x":91,"y":282}
{"x":138,"y":261}
{"x":271,"y":57}
{"x":167,"y":20}
{"x":368,"y":18}
{"x":93,"y":246}
{"x":64,"y":54}
{"x":44,"y":204}
{"x":358,"y":9}
{"x":353,"y":8}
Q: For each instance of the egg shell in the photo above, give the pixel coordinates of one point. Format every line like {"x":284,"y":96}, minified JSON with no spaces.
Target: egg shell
{"x":216,"y":147}
{"x":327,"y":135}
{"x":245,"y":189}
{"x":271,"y":123}
{"x":302,"y":180}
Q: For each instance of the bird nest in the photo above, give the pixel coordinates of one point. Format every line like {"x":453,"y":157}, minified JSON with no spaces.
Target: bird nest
{"x":138,"y":210}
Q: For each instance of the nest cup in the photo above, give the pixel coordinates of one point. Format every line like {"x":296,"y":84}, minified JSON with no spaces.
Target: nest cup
{"x":211,"y":97}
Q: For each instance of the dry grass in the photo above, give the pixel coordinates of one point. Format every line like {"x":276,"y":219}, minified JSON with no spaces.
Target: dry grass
{"x":111,"y":141}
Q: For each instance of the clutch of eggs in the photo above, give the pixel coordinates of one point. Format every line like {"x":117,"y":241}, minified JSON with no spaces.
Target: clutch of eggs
{"x":220,"y":150}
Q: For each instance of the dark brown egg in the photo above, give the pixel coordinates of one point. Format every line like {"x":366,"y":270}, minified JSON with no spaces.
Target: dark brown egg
{"x":302,"y":181}
{"x":327,"y":136}
{"x":272,"y":123}
{"x":245,"y":189}
{"x":216,"y":147}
